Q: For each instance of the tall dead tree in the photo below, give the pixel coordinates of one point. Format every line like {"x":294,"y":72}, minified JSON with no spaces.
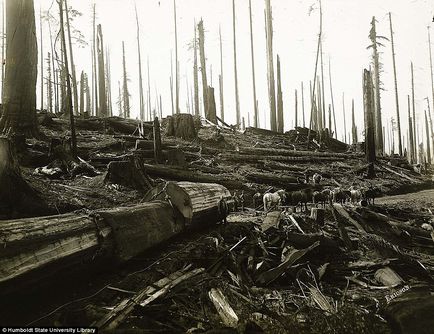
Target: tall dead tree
{"x":88,"y":107}
{"x":101,"y":73}
{"x":196,"y":73}
{"x":222,"y":104}
{"x":398,"y":120}
{"x":255,"y":115}
{"x":322,"y":84}
{"x":49,"y":85}
{"x":270,"y":65}
{"x":71,"y":58}
{"x":108,"y":83}
{"x":369,"y":122}
{"x":428,"y":141}
{"x":42,"y":57}
{"x":410,"y":135}
{"x":203,"y":67}
{"x":431,"y":69}
{"x":94,"y":62}
{"x":139,"y":53}
{"x":237,"y":98}
{"x":68,"y":83}
{"x":125,"y":92}
{"x":333,"y":103}
{"x":171,"y":83}
{"x":176,"y":62}
{"x":19,"y":95}
{"x":82,"y":91}
{"x":413,"y":104}
{"x":119,"y":102}
{"x":343,"y":113}
{"x":354,"y":127}
{"x":302,"y":104}
{"x":280,"y":124}
{"x":296,"y":109}
{"x":3,"y":36}
{"x":376,"y":62}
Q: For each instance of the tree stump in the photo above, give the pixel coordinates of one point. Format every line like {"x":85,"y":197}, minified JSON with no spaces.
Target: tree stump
{"x":175,"y":157}
{"x":16,"y":195}
{"x":181,"y":126}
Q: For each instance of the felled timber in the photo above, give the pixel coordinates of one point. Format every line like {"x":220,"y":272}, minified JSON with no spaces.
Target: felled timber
{"x":197,"y":202}
{"x":255,"y":158}
{"x":344,"y":215}
{"x":263,"y":132}
{"x":63,"y":241}
{"x":180,"y":174}
{"x":224,"y":309}
{"x":293,"y":153}
{"x":272,"y":179}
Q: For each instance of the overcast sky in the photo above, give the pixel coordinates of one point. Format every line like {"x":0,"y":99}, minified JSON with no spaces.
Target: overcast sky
{"x":346,"y":24}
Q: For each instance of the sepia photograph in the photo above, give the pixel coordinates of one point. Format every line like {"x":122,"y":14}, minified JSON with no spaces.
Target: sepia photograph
{"x":217,"y":166}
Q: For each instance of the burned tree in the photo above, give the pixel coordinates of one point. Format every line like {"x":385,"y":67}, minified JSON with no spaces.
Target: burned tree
{"x":280,"y":124}
{"x":49,"y":85}
{"x":141,"y":96}
{"x":237,"y":98}
{"x":270,"y":65}
{"x":255,"y":116}
{"x":101,"y":74}
{"x":354,"y":127}
{"x":71,"y":58}
{"x":369,"y":122}
{"x":196,"y":75}
{"x":19,"y":95}
{"x":222,"y":104}
{"x":126,"y":94}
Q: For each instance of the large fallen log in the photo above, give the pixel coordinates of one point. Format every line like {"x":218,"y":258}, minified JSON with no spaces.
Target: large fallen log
{"x":197,"y":202}
{"x":180,"y":174}
{"x":293,"y":153}
{"x":29,"y":245}
{"x":259,"y":157}
{"x":287,"y":182}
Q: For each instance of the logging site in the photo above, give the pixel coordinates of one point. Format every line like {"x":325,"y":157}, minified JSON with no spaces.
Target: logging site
{"x":290,"y":192}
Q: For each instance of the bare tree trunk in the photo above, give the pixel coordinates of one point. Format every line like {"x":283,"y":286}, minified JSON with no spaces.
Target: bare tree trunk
{"x":431,"y":69}
{"x":369,"y":122}
{"x":88,"y":97}
{"x":428,"y":141}
{"x":68,"y":83}
{"x":345,"y":122}
{"x":410,"y":133}
{"x":255,"y":116}
{"x":126,"y":94}
{"x":196,"y":74}
{"x":378,"y":119}
{"x":354,"y":127}
{"x":270,"y":65}
{"x":333,"y":103}
{"x":176,"y":61}
{"x":322,"y":86}
{"x":415,"y":143}
{"x":171,"y":83}
{"x":149,"y":94}
{"x":82,"y":91}
{"x":237,"y":98}
{"x":19,"y":96}
{"x":319,"y":106}
{"x":141,"y":96}
{"x":95,"y":72}
{"x":396,"y":87}
{"x":280,"y":124}
{"x":108,"y":83}
{"x":120,"y":111}
{"x":71,"y":58}
{"x":296,"y":109}
{"x":49,"y":85}
{"x":42,"y":58}
{"x":101,"y":73}
{"x":3,"y":47}
{"x":203,"y":68}
{"x":302,"y":104}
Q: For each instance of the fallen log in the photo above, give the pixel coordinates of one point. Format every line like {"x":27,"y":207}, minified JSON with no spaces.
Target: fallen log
{"x":224,"y":309}
{"x":344,"y":215}
{"x":293,"y":153}
{"x":180,"y":174}
{"x":255,"y":158}
{"x":63,"y":241}
{"x":273,"y":179}
{"x":197,"y":202}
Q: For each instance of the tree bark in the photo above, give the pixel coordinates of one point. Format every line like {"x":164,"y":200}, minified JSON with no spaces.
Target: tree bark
{"x":369,"y":122}
{"x":101,"y":74}
{"x":203,"y":68}
{"x":19,"y":95}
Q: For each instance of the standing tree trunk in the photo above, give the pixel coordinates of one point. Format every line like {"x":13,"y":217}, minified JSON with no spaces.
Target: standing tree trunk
{"x":42,"y":58}
{"x":101,"y":74}
{"x":270,"y":65}
{"x":3,"y":36}
{"x":410,"y":134}
{"x":333,"y":103}
{"x":171,"y":83}
{"x":120,"y":111}
{"x":95,"y":72}
{"x":49,"y":85}
{"x":141,"y":96}
{"x":126,"y":94}
{"x":71,"y":58}
{"x":415,"y":142}
{"x":68,"y":83}
{"x":203,"y":68}
{"x":428,"y":141}
{"x":255,"y":116}
{"x":322,"y":85}
{"x":176,"y":61}
{"x":431,"y":70}
{"x":19,"y":96}
{"x":82,"y":91}
{"x":280,"y":123}
{"x":369,"y":122}
{"x":237,"y":98}
{"x":396,"y":87}
{"x":354,"y":127}
{"x":108,"y":83}
{"x":375,"y":58}
{"x":149,"y":92}
{"x":296,"y":109}
{"x":345,"y":122}
{"x":302,"y":104}
{"x":88,"y":97}
{"x":196,"y":74}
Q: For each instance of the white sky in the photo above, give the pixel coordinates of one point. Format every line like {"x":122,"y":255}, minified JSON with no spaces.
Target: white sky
{"x":346,"y":24}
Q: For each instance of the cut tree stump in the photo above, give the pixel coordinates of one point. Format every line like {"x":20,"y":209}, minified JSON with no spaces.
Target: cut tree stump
{"x":16,"y":195}
{"x":129,"y":174}
{"x":318,"y":215}
{"x":181,"y":126}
